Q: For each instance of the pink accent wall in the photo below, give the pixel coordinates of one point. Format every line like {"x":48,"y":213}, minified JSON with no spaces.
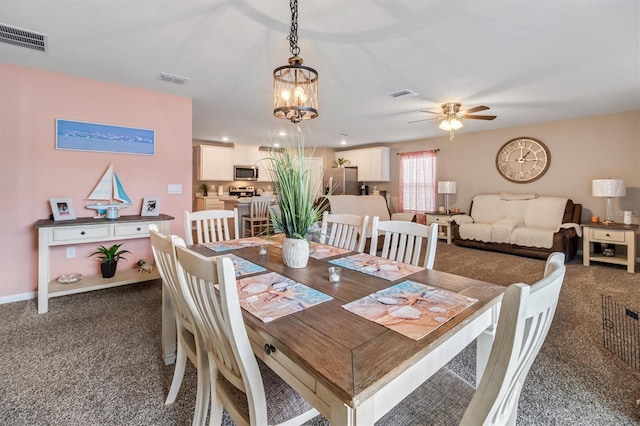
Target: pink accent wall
{"x":32,"y":171}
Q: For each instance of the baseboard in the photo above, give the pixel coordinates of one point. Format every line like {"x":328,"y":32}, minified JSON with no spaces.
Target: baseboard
{"x":18,"y":297}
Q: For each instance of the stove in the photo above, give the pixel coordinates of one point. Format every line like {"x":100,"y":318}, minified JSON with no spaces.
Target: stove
{"x":242,"y":191}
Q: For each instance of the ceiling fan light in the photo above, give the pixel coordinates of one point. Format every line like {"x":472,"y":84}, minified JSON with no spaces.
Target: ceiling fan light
{"x":445,"y":125}
{"x":454,"y":123}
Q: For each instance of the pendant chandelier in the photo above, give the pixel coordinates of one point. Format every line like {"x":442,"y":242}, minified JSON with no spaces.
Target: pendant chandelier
{"x":295,"y":86}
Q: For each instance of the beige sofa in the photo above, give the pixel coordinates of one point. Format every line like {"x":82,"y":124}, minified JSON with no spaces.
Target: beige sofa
{"x":522,"y":224}
{"x":363,"y":205}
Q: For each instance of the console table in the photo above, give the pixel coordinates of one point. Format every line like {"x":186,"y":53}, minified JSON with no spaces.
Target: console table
{"x":616,"y":234}
{"x":89,"y":230}
{"x":444,"y":223}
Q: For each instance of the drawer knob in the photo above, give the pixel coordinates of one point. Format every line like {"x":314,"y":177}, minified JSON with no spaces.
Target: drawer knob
{"x":138,"y":228}
{"x":608,"y":235}
{"x":269,"y":348}
{"x":81,"y":232}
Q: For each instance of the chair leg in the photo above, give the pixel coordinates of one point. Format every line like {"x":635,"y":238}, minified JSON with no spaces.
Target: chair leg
{"x":178,"y":372}
{"x":215,"y":414}
{"x":203,"y":388}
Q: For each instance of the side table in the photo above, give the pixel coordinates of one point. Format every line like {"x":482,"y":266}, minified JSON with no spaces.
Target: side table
{"x":444,"y":223}
{"x":618,"y":234}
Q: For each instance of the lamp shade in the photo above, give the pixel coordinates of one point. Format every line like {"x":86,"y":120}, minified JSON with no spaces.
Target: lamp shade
{"x":446,"y":187}
{"x":608,"y":188}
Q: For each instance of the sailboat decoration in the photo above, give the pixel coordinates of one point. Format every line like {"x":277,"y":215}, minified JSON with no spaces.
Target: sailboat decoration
{"x":109,"y":189}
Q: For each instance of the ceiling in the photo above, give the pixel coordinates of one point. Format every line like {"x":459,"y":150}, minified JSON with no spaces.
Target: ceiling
{"x":530,"y":61}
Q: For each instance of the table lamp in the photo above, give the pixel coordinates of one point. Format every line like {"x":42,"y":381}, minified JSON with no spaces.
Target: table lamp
{"x":446,"y":187}
{"x":608,"y":188}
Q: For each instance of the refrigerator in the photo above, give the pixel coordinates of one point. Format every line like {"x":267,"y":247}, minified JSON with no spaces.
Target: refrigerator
{"x":341,"y":181}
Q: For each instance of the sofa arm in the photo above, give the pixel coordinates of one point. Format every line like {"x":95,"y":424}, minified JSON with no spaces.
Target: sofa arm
{"x":409,"y":217}
{"x":460,"y":219}
{"x":576,"y":227}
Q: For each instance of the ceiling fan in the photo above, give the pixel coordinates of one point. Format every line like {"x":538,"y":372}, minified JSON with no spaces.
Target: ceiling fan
{"x":451,"y":116}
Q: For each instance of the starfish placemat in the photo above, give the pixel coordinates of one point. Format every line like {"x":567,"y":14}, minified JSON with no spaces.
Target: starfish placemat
{"x":271,"y":296}
{"x":237,"y":244}
{"x":377,"y":266}
{"x":411,"y":308}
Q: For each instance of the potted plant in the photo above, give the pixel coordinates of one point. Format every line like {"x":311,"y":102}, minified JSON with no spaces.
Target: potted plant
{"x":205,"y":189}
{"x":296,"y":197}
{"x":341,"y":162}
{"x":109,"y":259}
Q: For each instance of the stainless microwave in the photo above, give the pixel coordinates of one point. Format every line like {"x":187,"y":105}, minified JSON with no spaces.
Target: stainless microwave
{"x":245,"y":172}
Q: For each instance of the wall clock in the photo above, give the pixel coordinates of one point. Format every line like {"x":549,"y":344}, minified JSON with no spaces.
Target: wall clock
{"x":523,"y":160}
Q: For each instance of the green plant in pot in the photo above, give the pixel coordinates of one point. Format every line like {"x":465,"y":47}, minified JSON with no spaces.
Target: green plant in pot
{"x":109,"y":259}
{"x":296,"y":197}
{"x":341,"y":162}
{"x":205,"y":189}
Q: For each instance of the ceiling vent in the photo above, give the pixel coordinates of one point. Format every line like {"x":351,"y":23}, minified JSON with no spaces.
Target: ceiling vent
{"x":403,"y":93}
{"x":170,"y":78}
{"x":24,"y":38}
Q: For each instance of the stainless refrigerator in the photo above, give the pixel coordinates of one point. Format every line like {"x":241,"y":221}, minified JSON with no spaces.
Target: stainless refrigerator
{"x":341,"y":181}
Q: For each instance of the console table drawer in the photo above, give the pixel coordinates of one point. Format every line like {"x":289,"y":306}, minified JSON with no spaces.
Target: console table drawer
{"x":76,"y":233}
{"x":442,"y":220}
{"x":607,"y":235}
{"x":130,"y":229}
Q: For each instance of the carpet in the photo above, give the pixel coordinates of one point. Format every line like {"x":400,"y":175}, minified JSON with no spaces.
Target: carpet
{"x":95,"y":358}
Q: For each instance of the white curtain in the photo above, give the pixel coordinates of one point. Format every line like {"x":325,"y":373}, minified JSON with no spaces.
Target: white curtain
{"x":418,"y":181}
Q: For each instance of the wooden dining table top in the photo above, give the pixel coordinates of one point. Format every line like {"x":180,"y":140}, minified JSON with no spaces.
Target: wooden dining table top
{"x":350,"y":355}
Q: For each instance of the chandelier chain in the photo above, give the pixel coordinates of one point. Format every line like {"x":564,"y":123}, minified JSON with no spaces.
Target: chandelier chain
{"x":293,"y":36}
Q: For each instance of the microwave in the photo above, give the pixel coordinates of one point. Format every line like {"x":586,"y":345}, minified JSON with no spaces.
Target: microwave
{"x":245,"y":172}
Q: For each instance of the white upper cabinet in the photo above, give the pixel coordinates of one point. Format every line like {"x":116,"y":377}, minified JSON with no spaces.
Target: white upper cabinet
{"x":215,"y":163}
{"x":372,"y":163}
{"x":245,"y":155}
{"x":264,"y":164}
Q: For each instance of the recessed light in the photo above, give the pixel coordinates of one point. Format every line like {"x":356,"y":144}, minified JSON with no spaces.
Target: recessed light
{"x":343,"y":142}
{"x":282,"y":133}
{"x":225,"y":139}
{"x":275,"y":145}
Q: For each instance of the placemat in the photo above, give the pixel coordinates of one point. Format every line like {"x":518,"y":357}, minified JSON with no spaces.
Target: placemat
{"x":243,"y":266}
{"x":237,"y":244}
{"x":410,"y":308}
{"x":377,"y":266}
{"x":321,"y":251}
{"x":271,"y":296}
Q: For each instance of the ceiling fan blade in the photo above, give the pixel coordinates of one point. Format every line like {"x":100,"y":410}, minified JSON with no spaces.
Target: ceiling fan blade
{"x":424,"y":119}
{"x":480,"y":117}
{"x":430,"y":112}
{"x":476,"y":109}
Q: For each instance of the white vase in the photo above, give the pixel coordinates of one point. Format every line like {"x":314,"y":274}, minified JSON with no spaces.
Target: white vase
{"x":295,"y":252}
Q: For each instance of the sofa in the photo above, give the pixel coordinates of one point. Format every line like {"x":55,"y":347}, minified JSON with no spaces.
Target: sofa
{"x":363,"y":205}
{"x":521,"y":224}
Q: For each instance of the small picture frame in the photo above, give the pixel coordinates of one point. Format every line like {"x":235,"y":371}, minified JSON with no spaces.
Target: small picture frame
{"x":62,"y":209}
{"x":150,"y":206}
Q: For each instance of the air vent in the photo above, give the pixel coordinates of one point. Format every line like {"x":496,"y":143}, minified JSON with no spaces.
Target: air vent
{"x":24,"y":38}
{"x":170,"y":78}
{"x":403,"y":93}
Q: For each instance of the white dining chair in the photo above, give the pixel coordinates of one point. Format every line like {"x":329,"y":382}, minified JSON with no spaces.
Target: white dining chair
{"x":210,"y":226}
{"x":259,"y":220}
{"x":346,"y":231}
{"x":403,"y":241}
{"x":189,"y":342}
{"x":250,"y":392}
{"x":525,"y":317}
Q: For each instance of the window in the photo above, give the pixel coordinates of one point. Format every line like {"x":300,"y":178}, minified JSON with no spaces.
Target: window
{"x":418,"y":181}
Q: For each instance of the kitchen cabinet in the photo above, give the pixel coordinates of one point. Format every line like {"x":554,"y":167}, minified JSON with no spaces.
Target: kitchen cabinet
{"x":215,"y":163}
{"x":206,"y":203}
{"x":373,"y":163}
{"x":264,"y":164}
{"x":245,"y":155}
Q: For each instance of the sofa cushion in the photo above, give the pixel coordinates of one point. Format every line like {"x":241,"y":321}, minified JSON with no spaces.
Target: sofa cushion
{"x":476,"y":231}
{"x":488,"y":208}
{"x":532,"y":237}
{"x":501,"y":230}
{"x":545,"y":212}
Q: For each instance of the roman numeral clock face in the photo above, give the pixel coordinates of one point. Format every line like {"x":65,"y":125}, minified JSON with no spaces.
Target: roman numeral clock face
{"x":523,"y":160}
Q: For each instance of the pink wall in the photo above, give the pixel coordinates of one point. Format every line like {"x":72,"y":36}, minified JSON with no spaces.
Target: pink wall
{"x":32,"y":171}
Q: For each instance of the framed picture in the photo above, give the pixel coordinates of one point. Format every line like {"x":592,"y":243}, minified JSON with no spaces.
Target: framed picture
{"x":62,"y":209}
{"x":150,"y":206}
{"x":82,"y":136}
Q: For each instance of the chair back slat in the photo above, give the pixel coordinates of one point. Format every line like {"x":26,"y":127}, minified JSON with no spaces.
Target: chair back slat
{"x":525,"y":317}
{"x":404,"y":241}
{"x":210,"y":226}
{"x":344,"y":230}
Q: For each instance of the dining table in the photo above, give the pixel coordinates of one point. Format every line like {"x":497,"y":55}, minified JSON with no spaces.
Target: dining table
{"x":351,"y":369}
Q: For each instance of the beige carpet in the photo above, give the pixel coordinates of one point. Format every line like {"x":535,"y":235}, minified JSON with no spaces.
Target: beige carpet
{"x":94,"y":358}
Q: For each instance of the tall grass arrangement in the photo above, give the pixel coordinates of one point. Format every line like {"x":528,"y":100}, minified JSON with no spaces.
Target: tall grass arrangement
{"x":294,"y":188}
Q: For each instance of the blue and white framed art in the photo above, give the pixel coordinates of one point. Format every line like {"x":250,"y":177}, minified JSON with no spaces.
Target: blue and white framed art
{"x":84,"y":136}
